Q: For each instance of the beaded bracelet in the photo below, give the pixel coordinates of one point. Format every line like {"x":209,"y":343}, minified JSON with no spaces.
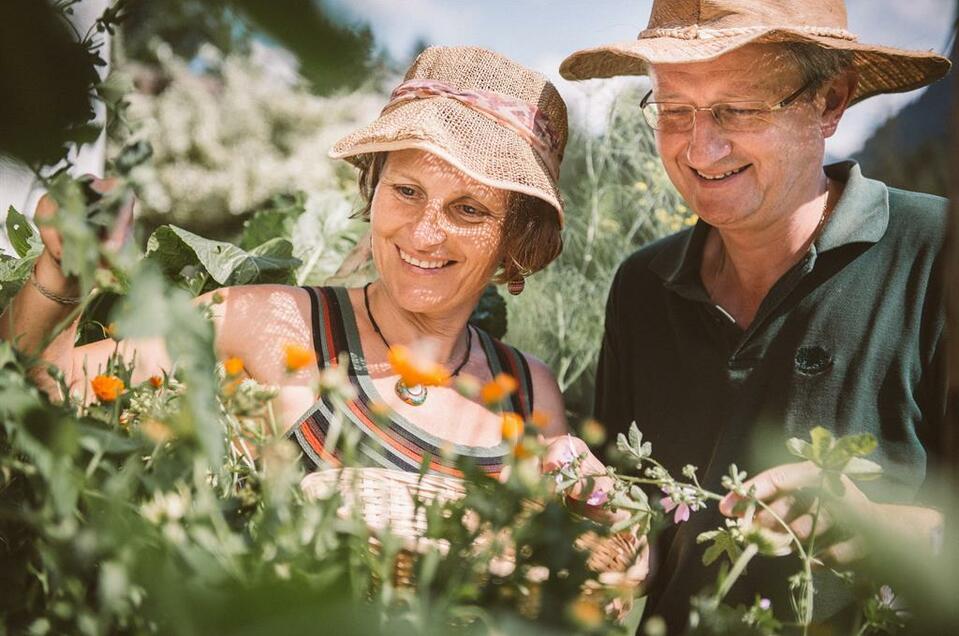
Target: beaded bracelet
{"x":52,"y":295}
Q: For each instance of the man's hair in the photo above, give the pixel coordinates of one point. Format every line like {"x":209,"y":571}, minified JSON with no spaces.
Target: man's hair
{"x":816,"y":64}
{"x":532,"y":238}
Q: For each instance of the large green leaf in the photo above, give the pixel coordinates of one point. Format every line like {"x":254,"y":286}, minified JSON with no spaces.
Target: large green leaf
{"x":176,"y":249}
{"x":19,"y":231}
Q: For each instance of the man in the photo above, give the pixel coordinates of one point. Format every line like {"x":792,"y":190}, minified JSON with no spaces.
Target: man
{"x":803,"y":296}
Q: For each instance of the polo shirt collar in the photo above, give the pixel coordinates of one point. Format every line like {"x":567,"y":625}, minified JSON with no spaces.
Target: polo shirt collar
{"x":860,"y":216}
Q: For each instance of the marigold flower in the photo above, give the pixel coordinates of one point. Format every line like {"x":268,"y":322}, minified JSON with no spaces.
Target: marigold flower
{"x":539,"y":419}
{"x":416,"y":369}
{"x":498,"y":389}
{"x":522,"y":451}
{"x":587,"y":613}
{"x":297,"y":357}
{"x":512,"y":426}
{"x":593,"y":433}
{"x":156,"y":431}
{"x":107,"y":388}
{"x":156,"y":381}
{"x":234,"y":366}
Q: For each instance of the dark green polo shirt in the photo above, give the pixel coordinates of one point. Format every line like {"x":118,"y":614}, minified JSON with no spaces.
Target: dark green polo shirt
{"x":851,"y":338}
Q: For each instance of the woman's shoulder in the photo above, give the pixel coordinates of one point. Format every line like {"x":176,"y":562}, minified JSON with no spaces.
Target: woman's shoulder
{"x":541,"y":386}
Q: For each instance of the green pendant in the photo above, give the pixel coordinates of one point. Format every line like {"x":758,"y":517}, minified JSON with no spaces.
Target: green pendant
{"x":413,"y":395}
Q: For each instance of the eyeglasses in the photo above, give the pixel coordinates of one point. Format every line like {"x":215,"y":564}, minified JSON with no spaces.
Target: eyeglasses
{"x":732,"y":116}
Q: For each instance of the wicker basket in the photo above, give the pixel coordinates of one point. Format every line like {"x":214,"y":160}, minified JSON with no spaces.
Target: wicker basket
{"x":388,"y":500}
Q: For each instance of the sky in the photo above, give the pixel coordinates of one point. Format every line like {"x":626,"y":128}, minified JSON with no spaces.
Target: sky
{"x":541,"y":33}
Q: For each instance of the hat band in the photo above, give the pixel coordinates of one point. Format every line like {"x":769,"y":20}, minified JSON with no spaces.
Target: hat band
{"x":524,"y":119}
{"x":696,"y":32}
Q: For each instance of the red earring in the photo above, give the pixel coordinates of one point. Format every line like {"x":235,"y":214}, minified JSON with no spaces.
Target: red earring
{"x":516,"y":286}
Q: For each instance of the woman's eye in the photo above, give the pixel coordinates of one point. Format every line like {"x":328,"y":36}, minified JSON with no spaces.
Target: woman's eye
{"x":405,"y":191}
{"x":471,"y":211}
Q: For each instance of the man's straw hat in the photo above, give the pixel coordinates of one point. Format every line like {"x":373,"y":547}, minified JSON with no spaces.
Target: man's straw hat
{"x":499,"y":122}
{"x":682,"y":31}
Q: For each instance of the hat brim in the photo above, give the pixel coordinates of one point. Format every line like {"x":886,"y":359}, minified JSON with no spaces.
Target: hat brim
{"x":880,"y":69}
{"x":461,"y":136}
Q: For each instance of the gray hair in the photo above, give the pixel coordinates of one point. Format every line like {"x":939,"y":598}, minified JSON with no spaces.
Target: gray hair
{"x":815,"y":63}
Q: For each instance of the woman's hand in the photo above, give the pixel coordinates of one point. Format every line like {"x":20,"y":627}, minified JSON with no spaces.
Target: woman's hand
{"x":590,"y":492}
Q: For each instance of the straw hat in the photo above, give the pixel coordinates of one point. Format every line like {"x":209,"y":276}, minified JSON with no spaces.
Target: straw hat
{"x":683,"y":31}
{"x":497,"y":121}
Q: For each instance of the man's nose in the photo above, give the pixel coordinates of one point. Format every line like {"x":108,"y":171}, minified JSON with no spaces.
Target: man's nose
{"x":708,"y":143}
{"x":429,"y":229}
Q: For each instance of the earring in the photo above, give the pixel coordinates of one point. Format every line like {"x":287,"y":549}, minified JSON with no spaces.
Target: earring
{"x":516,"y":286}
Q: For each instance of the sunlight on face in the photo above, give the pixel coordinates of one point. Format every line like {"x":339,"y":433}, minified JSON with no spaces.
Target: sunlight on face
{"x":726,"y":176}
{"x":436,"y":232}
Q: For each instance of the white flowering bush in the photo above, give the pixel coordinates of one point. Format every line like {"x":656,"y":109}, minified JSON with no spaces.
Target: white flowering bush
{"x":229,"y":133}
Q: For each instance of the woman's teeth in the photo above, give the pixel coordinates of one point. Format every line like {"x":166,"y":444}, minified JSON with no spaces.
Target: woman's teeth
{"x":406,"y":258}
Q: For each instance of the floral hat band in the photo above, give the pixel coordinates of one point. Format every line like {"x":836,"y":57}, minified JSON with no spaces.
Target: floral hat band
{"x":512,"y":113}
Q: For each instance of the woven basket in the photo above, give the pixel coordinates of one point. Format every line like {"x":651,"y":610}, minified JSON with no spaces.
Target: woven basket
{"x":388,"y":500}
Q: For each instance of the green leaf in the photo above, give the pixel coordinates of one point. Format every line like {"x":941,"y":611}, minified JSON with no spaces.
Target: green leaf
{"x":822,"y":441}
{"x":722,"y":543}
{"x":859,"y":468}
{"x":800,"y":448}
{"x":19,"y":231}
{"x":176,"y":250}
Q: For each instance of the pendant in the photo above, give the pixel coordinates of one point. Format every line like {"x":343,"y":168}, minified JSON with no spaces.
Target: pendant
{"x":413,"y":395}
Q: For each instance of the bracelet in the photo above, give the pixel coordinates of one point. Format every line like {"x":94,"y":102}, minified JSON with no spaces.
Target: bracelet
{"x":52,"y":295}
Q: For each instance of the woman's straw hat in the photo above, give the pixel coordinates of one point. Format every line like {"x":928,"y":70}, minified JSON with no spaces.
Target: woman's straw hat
{"x":499,"y":122}
{"x":682,"y":31}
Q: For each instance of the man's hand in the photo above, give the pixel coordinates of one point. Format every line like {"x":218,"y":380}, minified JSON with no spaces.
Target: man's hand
{"x":789,"y":490}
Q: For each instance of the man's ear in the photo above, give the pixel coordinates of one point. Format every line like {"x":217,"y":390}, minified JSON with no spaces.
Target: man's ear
{"x":838,"y":94}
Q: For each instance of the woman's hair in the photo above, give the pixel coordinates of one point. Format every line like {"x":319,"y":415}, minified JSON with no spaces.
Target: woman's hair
{"x":531,"y":233}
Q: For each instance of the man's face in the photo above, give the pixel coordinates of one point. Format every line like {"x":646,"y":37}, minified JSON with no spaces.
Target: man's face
{"x":742,"y":179}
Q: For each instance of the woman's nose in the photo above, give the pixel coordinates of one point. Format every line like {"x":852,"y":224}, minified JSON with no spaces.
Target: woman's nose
{"x":429,"y":229}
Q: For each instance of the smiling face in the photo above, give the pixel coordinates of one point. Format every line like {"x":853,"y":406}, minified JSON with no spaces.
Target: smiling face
{"x":436,"y":233}
{"x":738,"y":179}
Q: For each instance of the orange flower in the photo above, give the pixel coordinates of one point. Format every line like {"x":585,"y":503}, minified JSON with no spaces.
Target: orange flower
{"x":593,"y":433}
{"x":416,"y":369}
{"x":587,"y":613}
{"x":539,"y":419}
{"x":107,"y":388}
{"x":512,"y":426}
{"x":156,"y":381}
{"x":156,"y":431}
{"x":498,"y":389}
{"x":297,"y":357}
{"x":234,"y":366}
{"x":522,"y":451}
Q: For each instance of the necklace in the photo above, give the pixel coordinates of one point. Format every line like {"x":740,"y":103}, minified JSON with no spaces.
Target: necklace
{"x":826,"y":210}
{"x":413,"y":395}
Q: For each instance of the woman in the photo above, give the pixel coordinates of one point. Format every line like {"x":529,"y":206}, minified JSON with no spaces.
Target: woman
{"x":460,"y":176}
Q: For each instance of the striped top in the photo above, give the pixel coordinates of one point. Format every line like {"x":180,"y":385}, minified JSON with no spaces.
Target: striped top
{"x":392,"y":441}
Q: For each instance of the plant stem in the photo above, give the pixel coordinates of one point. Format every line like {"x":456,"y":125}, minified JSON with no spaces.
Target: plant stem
{"x":751,"y":550}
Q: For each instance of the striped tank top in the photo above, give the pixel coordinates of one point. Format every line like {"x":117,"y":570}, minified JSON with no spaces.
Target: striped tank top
{"x":395,"y":442}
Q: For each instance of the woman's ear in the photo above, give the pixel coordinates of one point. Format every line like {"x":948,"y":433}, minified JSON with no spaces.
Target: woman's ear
{"x":838,"y":94}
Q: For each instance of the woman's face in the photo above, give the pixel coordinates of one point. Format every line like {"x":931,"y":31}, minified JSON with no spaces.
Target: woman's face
{"x":436,"y":232}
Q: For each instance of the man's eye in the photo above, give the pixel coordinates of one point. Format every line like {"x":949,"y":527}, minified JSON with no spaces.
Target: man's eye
{"x":405,"y":191}
{"x":740,"y":111}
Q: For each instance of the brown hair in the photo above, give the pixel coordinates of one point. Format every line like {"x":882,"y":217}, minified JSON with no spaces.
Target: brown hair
{"x":532,"y":237}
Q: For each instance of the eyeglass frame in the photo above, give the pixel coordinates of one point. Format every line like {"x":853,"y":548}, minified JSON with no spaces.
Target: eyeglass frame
{"x":781,"y":105}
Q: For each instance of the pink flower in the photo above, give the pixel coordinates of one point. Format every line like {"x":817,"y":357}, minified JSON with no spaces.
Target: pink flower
{"x":682,"y":510}
{"x":597,"y":498}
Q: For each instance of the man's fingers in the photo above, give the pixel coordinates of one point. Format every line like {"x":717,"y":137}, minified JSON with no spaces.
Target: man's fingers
{"x":844,"y":553}
{"x":787,"y":508}
{"x":780,"y":480}
{"x":802,"y":526}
